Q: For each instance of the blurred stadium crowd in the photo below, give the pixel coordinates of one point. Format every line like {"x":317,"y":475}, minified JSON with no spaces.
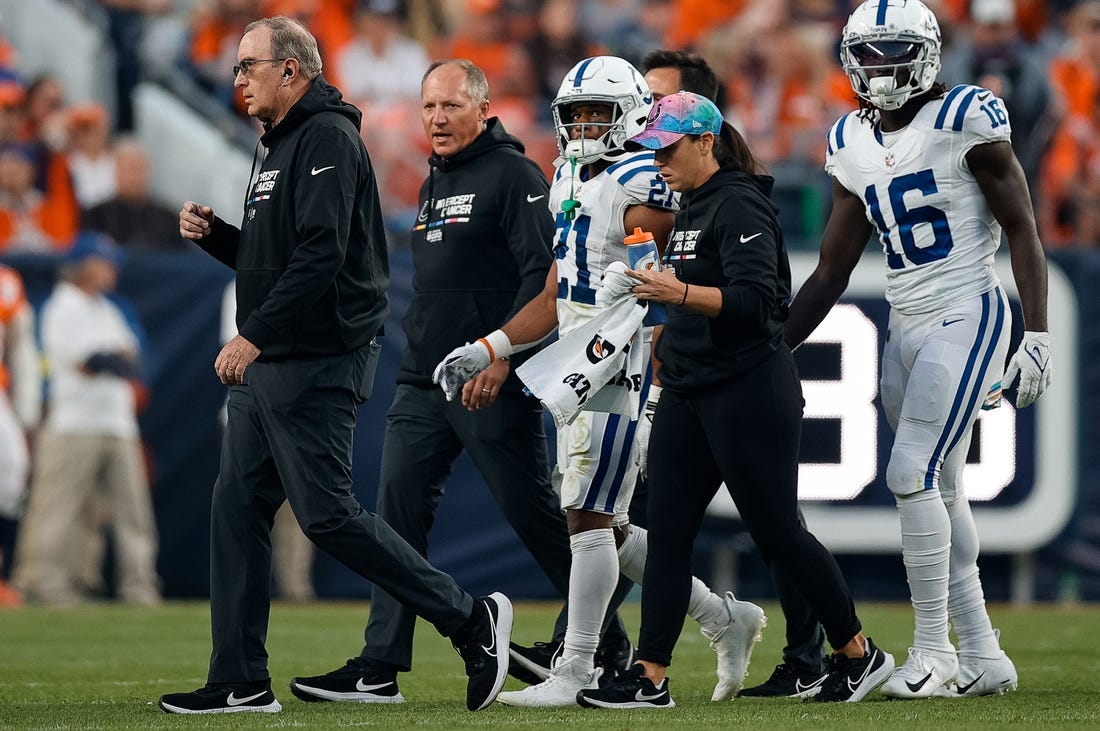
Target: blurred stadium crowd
{"x":67,"y":166}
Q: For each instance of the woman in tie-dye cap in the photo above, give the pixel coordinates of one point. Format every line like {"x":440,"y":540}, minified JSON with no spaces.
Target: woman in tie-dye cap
{"x":732,"y":405}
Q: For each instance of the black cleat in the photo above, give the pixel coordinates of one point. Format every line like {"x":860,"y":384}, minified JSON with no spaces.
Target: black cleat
{"x":787,"y":681}
{"x":531,"y":665}
{"x":359,"y":681}
{"x":615,"y":658}
{"x":485,"y":651}
{"x":632,"y":689}
{"x":224,"y":698}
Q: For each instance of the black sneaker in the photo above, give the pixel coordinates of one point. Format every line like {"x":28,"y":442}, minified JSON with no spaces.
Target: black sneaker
{"x":850,"y":681}
{"x":223,"y":698}
{"x":615,"y":657}
{"x":531,"y":665}
{"x":787,"y":681}
{"x":632,"y":689}
{"x":484,"y":651}
{"x":359,"y":681}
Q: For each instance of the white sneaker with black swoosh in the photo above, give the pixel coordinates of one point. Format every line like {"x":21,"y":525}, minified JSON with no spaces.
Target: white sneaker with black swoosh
{"x":850,"y":680}
{"x":921,"y":674}
{"x":981,"y":676}
{"x":224,"y":698}
{"x":631,"y":689}
{"x":359,"y":681}
{"x":485,"y":650}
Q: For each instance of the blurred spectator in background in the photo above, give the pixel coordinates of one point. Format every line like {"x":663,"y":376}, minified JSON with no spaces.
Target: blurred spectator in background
{"x":44,"y":129}
{"x":125,"y":27}
{"x":692,"y":19}
{"x":131,"y":217}
{"x":380,"y":65}
{"x":215,"y":30}
{"x":775,"y":74}
{"x":28,"y":222}
{"x":558,"y":43}
{"x":483,"y":37}
{"x":20,"y":407}
{"x":89,"y":445}
{"x":640,"y":33}
{"x":1070,"y":196}
{"x":90,"y":160}
{"x":994,"y":56}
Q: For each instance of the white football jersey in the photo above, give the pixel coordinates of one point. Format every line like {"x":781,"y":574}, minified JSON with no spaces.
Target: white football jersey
{"x":587,"y":244}
{"x":932,"y":219}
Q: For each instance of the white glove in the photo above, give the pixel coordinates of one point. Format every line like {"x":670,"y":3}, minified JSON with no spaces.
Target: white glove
{"x":615,"y":284}
{"x":1032,"y":362}
{"x":641,"y":432}
{"x":460,"y":365}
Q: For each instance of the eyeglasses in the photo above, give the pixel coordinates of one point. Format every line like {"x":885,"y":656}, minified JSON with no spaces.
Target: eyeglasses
{"x":245,"y":66}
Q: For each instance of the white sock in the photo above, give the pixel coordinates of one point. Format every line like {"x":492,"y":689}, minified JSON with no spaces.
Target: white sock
{"x":704,"y":606}
{"x":966,"y":603}
{"x":592,"y":580}
{"x":926,"y":552}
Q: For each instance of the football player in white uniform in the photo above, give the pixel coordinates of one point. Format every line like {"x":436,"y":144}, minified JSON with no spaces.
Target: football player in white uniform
{"x":20,"y":406}
{"x":931,"y":171}
{"x":599,"y":193}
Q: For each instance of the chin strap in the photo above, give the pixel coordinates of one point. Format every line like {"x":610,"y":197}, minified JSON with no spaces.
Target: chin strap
{"x":569,"y":205}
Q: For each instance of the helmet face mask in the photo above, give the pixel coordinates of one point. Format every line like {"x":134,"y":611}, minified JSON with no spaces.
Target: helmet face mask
{"x":600,"y":80}
{"x":890,"y":50}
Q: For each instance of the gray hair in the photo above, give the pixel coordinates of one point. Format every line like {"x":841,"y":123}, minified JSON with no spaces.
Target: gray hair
{"x":477,"y":86}
{"x":291,"y":39}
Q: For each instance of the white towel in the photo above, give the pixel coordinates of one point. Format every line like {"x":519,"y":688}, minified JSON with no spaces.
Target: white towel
{"x":597,"y":367}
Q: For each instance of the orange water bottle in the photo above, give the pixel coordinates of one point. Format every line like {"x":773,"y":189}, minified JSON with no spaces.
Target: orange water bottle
{"x":642,"y":253}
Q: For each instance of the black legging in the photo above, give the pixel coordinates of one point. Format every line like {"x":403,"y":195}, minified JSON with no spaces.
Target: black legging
{"x":744,"y":432}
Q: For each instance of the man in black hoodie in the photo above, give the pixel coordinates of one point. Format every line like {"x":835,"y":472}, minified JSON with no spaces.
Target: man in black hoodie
{"x":481,"y":250}
{"x":312,"y":272}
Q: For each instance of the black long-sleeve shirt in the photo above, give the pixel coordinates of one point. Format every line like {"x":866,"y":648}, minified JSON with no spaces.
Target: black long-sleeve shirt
{"x":311,"y":261}
{"x":481,"y":249}
{"x":727,"y":235}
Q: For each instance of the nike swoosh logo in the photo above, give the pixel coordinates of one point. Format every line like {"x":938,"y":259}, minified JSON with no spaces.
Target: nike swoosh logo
{"x":363,"y":687}
{"x":491,"y":650}
{"x":317,"y":171}
{"x":963,"y":688}
{"x":946,"y":323}
{"x":799,"y":688}
{"x":641,"y":695}
{"x":853,"y":687}
{"x":917,"y":686}
{"x":745,"y":239}
{"x":533,"y":198}
{"x":983,"y":97}
{"x":1037,"y":355}
{"x":233,"y":700}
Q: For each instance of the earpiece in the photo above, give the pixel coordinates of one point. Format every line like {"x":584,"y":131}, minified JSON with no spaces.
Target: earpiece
{"x":288,"y":73}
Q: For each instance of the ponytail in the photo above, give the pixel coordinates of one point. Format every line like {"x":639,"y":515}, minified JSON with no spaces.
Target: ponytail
{"x":733,"y":153}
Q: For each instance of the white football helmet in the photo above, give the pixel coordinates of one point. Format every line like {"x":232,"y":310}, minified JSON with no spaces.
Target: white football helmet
{"x":608,"y":80}
{"x":890,"y":50}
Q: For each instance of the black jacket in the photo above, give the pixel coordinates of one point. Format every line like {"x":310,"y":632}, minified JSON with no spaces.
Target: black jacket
{"x":311,"y":262}
{"x":481,"y":249}
{"x":726,"y":236}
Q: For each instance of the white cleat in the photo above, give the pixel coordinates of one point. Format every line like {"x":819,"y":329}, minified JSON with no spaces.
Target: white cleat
{"x":558,"y":690}
{"x":733,"y":642}
{"x":981,"y":676}
{"x":923,"y":672}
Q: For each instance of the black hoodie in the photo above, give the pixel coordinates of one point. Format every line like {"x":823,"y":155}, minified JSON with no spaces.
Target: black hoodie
{"x":311,"y":262}
{"x":481,"y":249}
{"x":727,"y":235}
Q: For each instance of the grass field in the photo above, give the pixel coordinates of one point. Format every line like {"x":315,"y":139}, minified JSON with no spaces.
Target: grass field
{"x":103,"y":667}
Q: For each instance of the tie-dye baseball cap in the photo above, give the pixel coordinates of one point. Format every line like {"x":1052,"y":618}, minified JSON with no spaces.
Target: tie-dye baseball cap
{"x":676,"y":115}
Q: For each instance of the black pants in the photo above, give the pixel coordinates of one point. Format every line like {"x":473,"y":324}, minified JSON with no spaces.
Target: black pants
{"x":289,"y":436}
{"x":746,"y":433}
{"x":425,"y":434}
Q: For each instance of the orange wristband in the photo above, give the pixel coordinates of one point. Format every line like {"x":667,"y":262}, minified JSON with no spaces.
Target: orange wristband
{"x":492,"y":355}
